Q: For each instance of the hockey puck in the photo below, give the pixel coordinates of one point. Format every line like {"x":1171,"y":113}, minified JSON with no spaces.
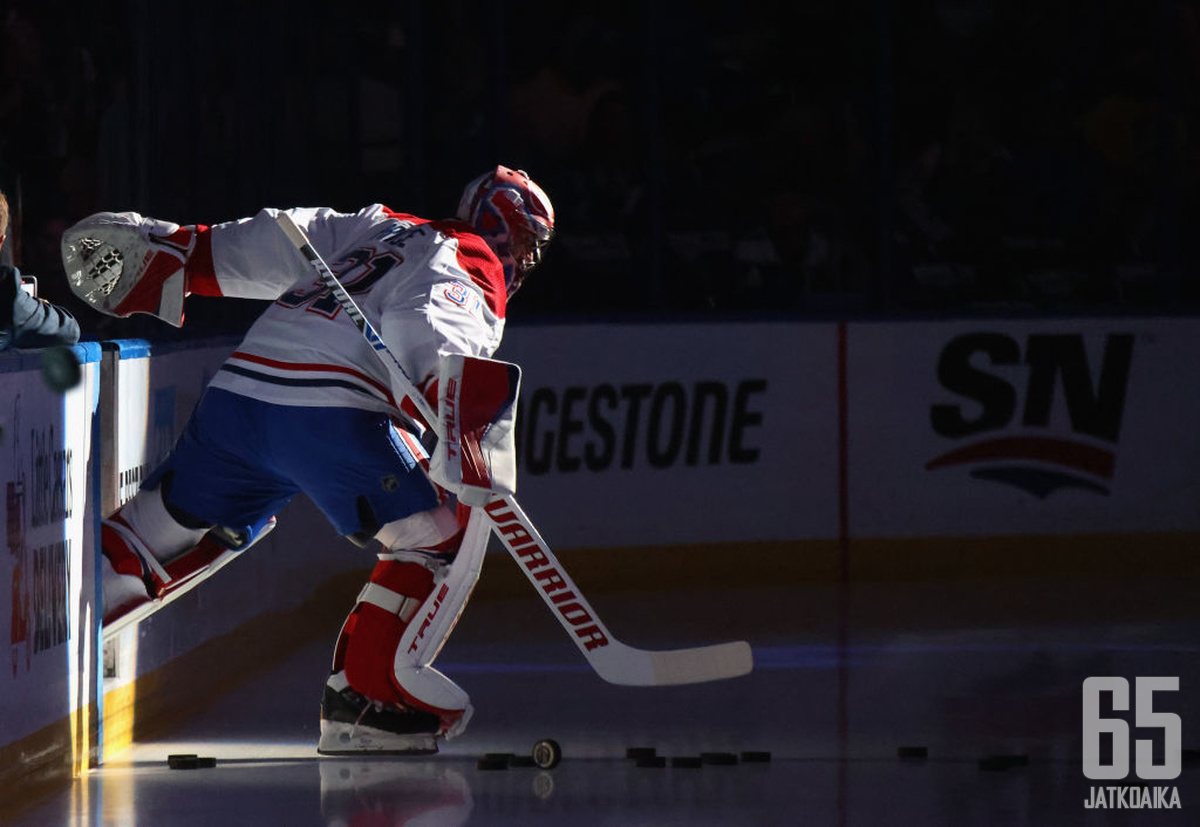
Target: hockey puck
{"x":640,"y":752}
{"x":687,"y":761}
{"x":491,"y":764}
{"x":60,"y":368}
{"x":546,"y":753}
{"x":498,"y":756}
{"x":718,"y":758}
{"x":1189,"y":756}
{"x":190,"y":762}
{"x":756,"y":757}
{"x":912,"y":753}
{"x":521,"y":761}
{"x":655,"y":761}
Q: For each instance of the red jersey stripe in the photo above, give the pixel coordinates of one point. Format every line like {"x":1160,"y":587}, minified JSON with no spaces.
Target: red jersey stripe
{"x":316,"y":366}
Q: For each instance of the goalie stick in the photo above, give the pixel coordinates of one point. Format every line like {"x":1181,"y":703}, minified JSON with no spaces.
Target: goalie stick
{"x":614,"y":661}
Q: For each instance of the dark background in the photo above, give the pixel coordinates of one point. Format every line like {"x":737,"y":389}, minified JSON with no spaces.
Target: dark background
{"x":825,"y":158}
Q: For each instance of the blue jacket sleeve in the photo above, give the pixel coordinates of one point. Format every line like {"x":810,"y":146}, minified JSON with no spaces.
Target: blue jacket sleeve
{"x":29,"y":322}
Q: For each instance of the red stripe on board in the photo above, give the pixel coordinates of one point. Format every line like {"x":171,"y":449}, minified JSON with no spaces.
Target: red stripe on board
{"x":843,"y":459}
{"x":843,"y":682}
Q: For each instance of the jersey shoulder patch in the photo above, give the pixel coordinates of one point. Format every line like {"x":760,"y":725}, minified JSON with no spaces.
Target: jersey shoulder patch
{"x":456,"y":297}
{"x":478,"y":261}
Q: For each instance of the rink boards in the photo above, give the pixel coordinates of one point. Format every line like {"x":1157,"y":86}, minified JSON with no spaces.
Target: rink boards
{"x":655,"y":456}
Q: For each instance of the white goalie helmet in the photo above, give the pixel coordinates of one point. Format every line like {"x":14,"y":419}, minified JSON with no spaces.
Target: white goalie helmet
{"x":513,"y":215}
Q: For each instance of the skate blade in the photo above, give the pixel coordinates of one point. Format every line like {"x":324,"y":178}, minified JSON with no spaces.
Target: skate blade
{"x":348,"y":739}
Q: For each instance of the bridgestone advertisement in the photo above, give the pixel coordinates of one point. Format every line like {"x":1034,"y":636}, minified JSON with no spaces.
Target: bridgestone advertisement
{"x":651,"y":435}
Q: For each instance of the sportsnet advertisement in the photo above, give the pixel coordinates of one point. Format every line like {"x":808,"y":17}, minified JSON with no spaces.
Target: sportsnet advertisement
{"x":653,"y":435}
{"x":1005,"y":428}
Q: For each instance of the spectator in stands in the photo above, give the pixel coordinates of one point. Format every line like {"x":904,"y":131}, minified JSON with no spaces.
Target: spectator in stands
{"x":25,"y":320}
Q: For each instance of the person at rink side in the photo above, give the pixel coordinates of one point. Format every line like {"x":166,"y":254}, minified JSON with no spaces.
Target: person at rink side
{"x":305,"y":405}
{"x":25,"y":320}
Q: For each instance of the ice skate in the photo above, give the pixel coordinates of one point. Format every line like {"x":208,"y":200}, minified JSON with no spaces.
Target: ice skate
{"x":352,"y":724}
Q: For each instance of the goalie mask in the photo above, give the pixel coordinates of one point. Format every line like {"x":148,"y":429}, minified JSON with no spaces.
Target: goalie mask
{"x":513,"y":215}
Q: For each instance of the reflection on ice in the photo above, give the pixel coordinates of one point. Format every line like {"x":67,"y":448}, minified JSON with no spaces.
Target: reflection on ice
{"x":393,"y":793}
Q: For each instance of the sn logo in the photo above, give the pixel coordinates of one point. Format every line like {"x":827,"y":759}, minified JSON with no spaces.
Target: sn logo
{"x":1010,"y":422}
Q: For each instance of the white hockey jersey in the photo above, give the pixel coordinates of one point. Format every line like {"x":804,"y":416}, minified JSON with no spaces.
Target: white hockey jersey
{"x":430,"y":289}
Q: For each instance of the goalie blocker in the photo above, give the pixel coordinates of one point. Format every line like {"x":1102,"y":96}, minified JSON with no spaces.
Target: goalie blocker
{"x":476,"y":455}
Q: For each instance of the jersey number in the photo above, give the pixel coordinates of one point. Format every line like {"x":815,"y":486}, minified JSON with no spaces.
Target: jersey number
{"x":357,"y":272}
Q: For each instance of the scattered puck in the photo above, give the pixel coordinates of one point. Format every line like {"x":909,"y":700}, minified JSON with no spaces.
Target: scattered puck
{"x":756,"y":757}
{"x":913,"y":753}
{"x":546,"y":753}
{"x":687,"y":762}
{"x":491,"y":764}
{"x":652,"y":761}
{"x":640,"y":752}
{"x":718,"y":758}
{"x":498,"y":756}
{"x":521,"y":761}
{"x":190,"y":762}
{"x":60,"y":368}
{"x":179,"y":755}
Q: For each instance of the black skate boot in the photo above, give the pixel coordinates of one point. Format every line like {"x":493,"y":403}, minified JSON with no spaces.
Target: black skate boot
{"x":352,"y":724}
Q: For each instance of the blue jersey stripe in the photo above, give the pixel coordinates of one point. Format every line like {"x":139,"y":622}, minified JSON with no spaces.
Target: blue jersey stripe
{"x":296,"y":381}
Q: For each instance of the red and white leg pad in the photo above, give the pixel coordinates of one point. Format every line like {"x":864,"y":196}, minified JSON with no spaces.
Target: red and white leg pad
{"x":136,"y":540}
{"x":403,"y":616}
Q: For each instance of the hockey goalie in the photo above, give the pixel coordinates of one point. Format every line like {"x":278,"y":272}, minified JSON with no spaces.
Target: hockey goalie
{"x":304,"y":405}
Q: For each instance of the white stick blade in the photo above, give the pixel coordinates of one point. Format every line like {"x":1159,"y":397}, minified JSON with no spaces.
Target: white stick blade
{"x":625,"y":665}
{"x":703,"y":664}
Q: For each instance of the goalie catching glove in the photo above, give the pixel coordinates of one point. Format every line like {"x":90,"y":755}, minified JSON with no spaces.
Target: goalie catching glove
{"x":123,"y":263}
{"x":476,"y":457}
